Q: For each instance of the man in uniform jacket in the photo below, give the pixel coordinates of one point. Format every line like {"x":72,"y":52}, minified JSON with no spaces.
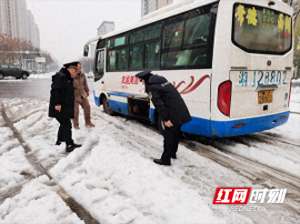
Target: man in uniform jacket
{"x":61,"y":105}
{"x":81,"y":93}
{"x":171,"y":109}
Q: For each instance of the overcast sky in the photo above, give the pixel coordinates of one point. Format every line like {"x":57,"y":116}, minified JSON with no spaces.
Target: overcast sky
{"x":65,"y":25}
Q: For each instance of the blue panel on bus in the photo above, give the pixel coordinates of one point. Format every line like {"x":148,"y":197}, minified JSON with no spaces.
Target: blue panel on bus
{"x":212,"y":128}
{"x":197,"y":126}
{"x":118,"y":106}
{"x":96,"y":99}
{"x":119,"y":94}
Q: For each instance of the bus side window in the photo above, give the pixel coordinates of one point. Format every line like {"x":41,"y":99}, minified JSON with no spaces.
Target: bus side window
{"x":136,"y":57}
{"x":117,"y":56}
{"x":197,"y":30}
{"x":86,"y":50}
{"x":152,"y":55}
{"x":145,"y":47}
{"x":122,"y":59}
{"x":186,"y":44}
{"x":172,"y":35}
{"x":112,"y":60}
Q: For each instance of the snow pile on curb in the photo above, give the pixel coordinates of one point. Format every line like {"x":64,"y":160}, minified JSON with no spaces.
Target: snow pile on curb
{"x":41,"y":76}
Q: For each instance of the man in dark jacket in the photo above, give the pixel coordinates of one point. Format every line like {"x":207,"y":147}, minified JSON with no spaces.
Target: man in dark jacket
{"x":171,"y":109}
{"x":61,"y":104}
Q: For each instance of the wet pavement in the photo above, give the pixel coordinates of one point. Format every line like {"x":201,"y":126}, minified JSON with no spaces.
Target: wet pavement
{"x":35,"y":88}
{"x":31,"y":88}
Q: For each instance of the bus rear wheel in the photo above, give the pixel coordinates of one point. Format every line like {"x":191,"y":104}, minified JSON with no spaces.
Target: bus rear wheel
{"x":106,"y":106}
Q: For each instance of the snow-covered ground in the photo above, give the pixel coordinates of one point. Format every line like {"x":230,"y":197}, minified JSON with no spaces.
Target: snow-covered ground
{"x":31,"y":76}
{"x":281,"y":155}
{"x":12,"y":79}
{"x":295,"y":99}
{"x":113,"y":176}
{"x":50,"y":74}
{"x":37,"y":203}
{"x":296,"y":81}
{"x":41,"y":76}
{"x":271,"y":152}
{"x":14,"y":167}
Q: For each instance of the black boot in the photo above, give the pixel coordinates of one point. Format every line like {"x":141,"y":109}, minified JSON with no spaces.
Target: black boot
{"x":174,"y":157}
{"x":71,"y":147}
{"x":161,"y":162}
{"x":57,"y":142}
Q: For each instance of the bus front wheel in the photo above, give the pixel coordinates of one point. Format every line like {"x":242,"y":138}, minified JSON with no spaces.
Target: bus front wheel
{"x":106,"y":106}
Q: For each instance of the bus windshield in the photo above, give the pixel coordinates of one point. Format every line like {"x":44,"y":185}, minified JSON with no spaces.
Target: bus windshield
{"x":261,"y":30}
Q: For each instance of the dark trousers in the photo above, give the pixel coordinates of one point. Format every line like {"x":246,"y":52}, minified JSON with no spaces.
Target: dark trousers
{"x":171,"y":141}
{"x":65,"y":130}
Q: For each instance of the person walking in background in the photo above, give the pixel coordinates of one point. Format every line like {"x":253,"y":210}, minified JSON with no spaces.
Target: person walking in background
{"x":61,"y":106}
{"x":81,"y":98}
{"x":171,"y":109}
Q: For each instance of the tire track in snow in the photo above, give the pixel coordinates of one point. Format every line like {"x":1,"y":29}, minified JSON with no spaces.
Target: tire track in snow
{"x":13,"y":191}
{"x":258,"y":173}
{"x":254,"y":171}
{"x":294,"y":112}
{"x":272,"y":137}
{"x":70,"y":201}
{"x":28,"y":115}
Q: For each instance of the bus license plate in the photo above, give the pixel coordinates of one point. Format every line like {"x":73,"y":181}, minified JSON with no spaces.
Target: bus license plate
{"x":265,"y":96}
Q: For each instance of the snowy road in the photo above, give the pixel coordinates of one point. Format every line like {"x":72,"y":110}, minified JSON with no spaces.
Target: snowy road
{"x":113,"y":178}
{"x":31,"y":88}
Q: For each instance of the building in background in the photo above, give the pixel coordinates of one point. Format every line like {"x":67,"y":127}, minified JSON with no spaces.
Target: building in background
{"x":17,"y":22}
{"x":4,"y":18}
{"x":149,"y":6}
{"x":105,"y":27}
{"x":20,"y":37}
{"x":32,"y":30}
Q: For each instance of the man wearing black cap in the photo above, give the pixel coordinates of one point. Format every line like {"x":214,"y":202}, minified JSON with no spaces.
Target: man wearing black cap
{"x":61,"y":104}
{"x":171,"y":109}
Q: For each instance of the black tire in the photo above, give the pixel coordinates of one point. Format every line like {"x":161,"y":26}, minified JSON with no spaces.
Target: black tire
{"x":1,"y":76}
{"x":24,"y":76}
{"x":106,"y":107}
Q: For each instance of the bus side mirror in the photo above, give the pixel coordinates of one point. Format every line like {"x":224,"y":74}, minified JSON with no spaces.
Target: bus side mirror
{"x":86,"y":51}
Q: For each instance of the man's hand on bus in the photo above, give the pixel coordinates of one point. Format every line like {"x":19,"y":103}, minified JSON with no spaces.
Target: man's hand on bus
{"x":57,"y":108}
{"x":168,"y":124}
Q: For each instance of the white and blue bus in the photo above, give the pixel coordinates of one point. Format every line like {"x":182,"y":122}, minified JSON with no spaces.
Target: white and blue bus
{"x":231,"y":60}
